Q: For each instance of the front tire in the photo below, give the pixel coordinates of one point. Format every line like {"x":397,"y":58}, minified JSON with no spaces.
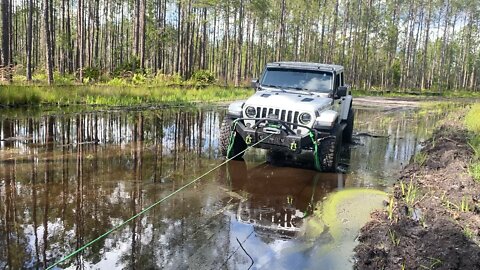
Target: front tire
{"x":329,"y":152}
{"x":239,"y":144}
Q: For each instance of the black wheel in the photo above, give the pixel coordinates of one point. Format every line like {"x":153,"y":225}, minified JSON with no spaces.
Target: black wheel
{"x":224,"y":136}
{"x":239,"y":144}
{"x":348,"y":131}
{"x":329,"y":152}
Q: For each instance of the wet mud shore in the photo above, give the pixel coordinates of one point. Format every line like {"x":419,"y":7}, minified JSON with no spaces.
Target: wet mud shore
{"x":432,"y":220}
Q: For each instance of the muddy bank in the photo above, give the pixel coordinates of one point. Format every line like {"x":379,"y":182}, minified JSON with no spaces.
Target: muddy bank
{"x":432,"y":220}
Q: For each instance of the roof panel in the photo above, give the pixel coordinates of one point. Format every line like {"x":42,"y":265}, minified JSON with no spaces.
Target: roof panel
{"x":306,"y":65}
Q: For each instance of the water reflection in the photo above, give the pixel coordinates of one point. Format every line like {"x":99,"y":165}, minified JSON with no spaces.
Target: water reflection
{"x":279,"y":198}
{"x":284,"y":222}
{"x":66,"y":178}
{"x":397,"y":137}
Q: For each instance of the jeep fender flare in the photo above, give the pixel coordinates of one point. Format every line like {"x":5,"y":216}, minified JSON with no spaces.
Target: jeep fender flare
{"x":327,"y":119}
{"x":235,"y":109}
{"x":346,"y":105}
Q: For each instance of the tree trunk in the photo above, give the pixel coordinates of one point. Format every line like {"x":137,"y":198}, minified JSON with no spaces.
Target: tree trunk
{"x":281,"y":30}
{"x":80,"y":39}
{"x":423,"y":84}
{"x":29,"y":41}
{"x":68,"y":37}
{"x":5,"y":59}
{"x":48,"y":42}
{"x":238,"y":58}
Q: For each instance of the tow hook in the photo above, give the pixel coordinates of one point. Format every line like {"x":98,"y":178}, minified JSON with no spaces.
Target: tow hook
{"x":248,"y":139}
{"x":293,"y":146}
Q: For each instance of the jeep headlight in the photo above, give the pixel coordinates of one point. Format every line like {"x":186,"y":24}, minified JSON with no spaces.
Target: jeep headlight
{"x":251,"y":112}
{"x":305,"y":118}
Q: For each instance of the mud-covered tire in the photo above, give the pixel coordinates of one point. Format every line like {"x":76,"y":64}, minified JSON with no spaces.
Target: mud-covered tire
{"x":347,"y":136}
{"x":329,"y":152}
{"x":239,"y":144}
{"x":224,"y":136}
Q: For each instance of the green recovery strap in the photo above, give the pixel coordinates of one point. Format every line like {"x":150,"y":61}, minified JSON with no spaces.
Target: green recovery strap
{"x":315,"y":152}
{"x":150,"y":207}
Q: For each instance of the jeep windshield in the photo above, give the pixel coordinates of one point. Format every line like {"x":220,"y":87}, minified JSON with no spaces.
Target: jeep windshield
{"x":298,"y":79}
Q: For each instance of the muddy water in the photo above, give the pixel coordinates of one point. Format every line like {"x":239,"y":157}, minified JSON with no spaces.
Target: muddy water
{"x":66,"y":178}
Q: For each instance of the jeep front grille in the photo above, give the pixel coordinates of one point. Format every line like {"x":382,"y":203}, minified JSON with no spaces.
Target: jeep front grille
{"x":276,"y":220}
{"x":284,"y":115}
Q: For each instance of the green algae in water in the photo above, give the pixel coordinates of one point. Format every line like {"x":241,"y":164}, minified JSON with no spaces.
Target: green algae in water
{"x":332,"y":229}
{"x":350,"y":208}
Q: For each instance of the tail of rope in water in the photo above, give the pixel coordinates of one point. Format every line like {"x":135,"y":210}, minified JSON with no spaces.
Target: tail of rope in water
{"x":153,"y":205}
{"x":246,"y":253}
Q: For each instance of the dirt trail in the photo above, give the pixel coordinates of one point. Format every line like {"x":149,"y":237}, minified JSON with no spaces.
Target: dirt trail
{"x":388,"y":103}
{"x":435,"y":222}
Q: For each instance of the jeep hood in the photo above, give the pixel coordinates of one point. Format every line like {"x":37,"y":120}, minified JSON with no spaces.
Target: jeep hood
{"x":290,"y":100}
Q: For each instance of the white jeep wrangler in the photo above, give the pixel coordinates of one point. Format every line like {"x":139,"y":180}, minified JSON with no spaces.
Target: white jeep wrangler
{"x":300,"y":107}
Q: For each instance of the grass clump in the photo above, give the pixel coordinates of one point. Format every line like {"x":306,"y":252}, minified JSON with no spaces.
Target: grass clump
{"x":475,"y":171}
{"x":409,"y":192}
{"x":390,"y":208}
{"x":393,"y":237}
{"x":472,"y":121}
{"x":420,"y":158}
{"x":468,"y":233}
{"x":464,"y":207}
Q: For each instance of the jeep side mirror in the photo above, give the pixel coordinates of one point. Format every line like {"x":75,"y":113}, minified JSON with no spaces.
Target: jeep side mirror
{"x":342,"y":91}
{"x":254,"y":83}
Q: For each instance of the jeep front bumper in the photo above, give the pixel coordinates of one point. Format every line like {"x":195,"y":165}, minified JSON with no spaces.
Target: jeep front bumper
{"x":280,"y":136}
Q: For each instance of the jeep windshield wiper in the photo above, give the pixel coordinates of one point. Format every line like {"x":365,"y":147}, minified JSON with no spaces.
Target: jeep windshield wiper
{"x":274,"y":86}
{"x":301,"y":90}
{"x":270,"y":85}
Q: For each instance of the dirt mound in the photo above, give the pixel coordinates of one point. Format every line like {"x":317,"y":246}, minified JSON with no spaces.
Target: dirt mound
{"x":433,"y":219}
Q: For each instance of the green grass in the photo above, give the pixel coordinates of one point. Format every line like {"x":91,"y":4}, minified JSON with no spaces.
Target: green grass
{"x":461,"y":94}
{"x":472,"y":121}
{"x":440,"y":106}
{"x":434,"y":263}
{"x":390,"y":208}
{"x":409,"y":192}
{"x":415,"y":93}
{"x":393,"y":237}
{"x":420,"y":158}
{"x":475,"y":171}
{"x":17,"y":95}
{"x":124,"y":89}
{"x":464,"y":206}
{"x":468,"y":233}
